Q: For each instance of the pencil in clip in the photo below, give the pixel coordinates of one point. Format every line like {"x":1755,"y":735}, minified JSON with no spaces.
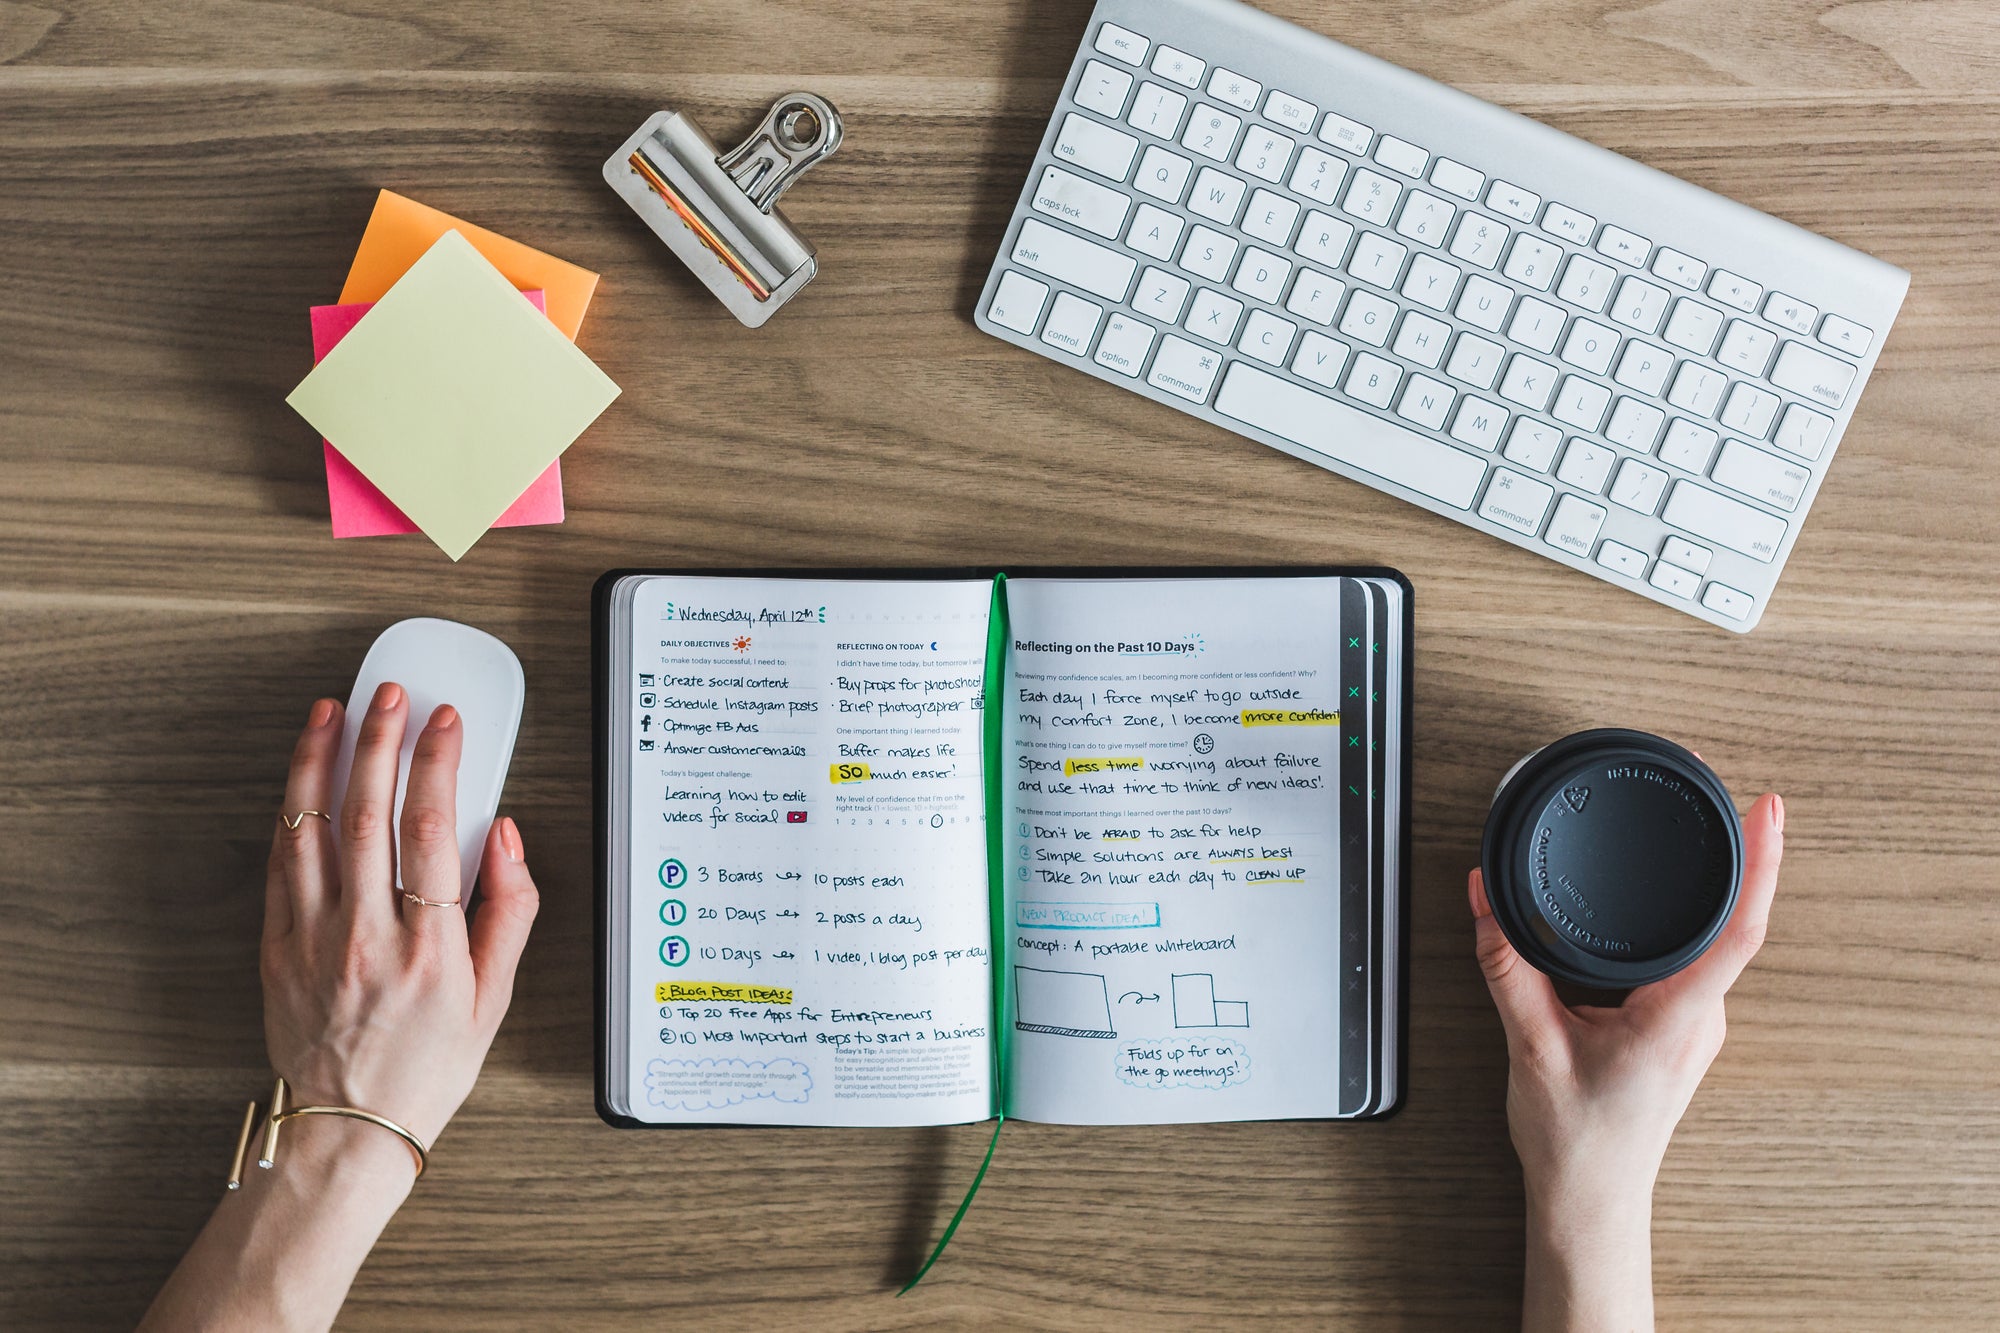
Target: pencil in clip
{"x":703,"y":232}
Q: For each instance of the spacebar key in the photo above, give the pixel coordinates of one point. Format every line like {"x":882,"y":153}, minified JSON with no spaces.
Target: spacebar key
{"x":1333,"y":428}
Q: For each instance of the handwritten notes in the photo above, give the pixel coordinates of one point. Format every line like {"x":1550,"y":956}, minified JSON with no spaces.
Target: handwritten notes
{"x":805,"y":834}
{"x":1169,"y":761}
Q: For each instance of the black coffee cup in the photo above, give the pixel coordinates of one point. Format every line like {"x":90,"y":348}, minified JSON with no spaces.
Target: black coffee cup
{"x":1612,"y":858}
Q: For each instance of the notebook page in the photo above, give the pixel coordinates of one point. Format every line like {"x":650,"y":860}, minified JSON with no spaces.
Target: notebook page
{"x":810,"y":934}
{"x":1170,"y":756}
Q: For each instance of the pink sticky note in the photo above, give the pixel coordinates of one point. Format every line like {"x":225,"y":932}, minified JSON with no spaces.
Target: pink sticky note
{"x":359,"y":510}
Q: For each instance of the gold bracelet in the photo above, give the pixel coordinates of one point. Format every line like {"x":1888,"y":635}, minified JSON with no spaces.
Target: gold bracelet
{"x":280,"y":1113}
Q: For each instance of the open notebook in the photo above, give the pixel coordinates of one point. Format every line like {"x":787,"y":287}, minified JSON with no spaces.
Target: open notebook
{"x":915,"y":848}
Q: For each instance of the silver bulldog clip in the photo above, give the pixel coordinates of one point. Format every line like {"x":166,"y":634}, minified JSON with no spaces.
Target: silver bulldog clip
{"x":717,"y":210}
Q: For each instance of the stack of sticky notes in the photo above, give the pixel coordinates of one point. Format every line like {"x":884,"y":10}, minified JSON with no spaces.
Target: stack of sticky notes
{"x":446,"y":381}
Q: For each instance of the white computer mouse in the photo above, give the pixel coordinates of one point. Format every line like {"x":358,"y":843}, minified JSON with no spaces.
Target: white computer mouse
{"x":444,"y":662}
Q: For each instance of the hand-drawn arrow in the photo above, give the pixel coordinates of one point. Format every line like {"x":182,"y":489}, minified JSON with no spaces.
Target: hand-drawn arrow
{"x":1136,"y":998}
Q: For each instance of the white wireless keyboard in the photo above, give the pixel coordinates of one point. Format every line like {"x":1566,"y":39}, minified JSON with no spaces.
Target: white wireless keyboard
{"x":1446,"y":301}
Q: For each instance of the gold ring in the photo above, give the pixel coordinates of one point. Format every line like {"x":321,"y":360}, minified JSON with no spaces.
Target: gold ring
{"x":425,"y":902}
{"x":293,"y":821}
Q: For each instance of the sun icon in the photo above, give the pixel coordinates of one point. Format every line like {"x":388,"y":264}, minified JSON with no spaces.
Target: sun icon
{"x":741,"y":644}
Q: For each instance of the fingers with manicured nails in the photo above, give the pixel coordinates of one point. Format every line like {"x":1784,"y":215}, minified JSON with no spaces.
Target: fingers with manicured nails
{"x":507,"y":906}
{"x":429,"y":841}
{"x":304,"y":869}
{"x":1710,"y":976}
{"x":367,"y":816}
{"x":1525,"y":997}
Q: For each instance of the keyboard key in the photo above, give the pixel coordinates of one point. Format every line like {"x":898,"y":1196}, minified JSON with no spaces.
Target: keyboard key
{"x":1749,"y":411}
{"x":1845,"y":335}
{"x":1586,"y":465}
{"x":1072,"y":323}
{"x":1096,"y":147}
{"x":1537,"y":324}
{"x":1425,"y":401}
{"x":1803,"y":431}
{"x":1532,"y":443}
{"x":1581,"y":403}
{"x":1431,"y":282}
{"x":1679,"y":269}
{"x":1315,"y":295}
{"x":1726,"y":522}
{"x":1637,"y":487}
{"x":1532,"y":262}
{"x":1624,"y":246}
{"x":1185,"y":369}
{"x":1262,"y":275}
{"x":1747,"y":347}
{"x":1368,"y":318}
{"x":1317,"y":176}
{"x":1162,"y":174}
{"x":1587,"y":283}
{"x":1680,"y":551}
{"x":1216,"y":196}
{"x":1162,"y":295}
{"x":1688,"y":446}
{"x":1568,"y":223}
{"x":1068,"y":258}
{"x":1265,"y":154}
{"x":1643,"y":368}
{"x":1511,"y":201}
{"x":1324,"y":239}
{"x":1377,"y":260}
{"x":1484,"y":304}
{"x":1475,"y":360}
{"x":1639,"y":305}
{"x":1457,"y":178}
{"x":1371,"y":196}
{"x":1529,"y":382}
{"x":1292,"y":112}
{"x":1693,"y":327}
{"x":1102,"y":88}
{"x":1622,"y":558}
{"x":1155,"y":232}
{"x":1673,"y":579}
{"x":1179,"y":66}
{"x":1312,"y":421}
{"x":1091,"y":206}
{"x":1157,"y":110}
{"x":1635,"y":425}
{"x":1727,"y":601}
{"x":1319,"y":359}
{"x":1479,"y":423}
{"x":1121,"y":44}
{"x":1425,"y":218}
{"x":1733,"y":290}
{"x":1697,"y":388}
{"x":1421,"y":339}
{"x":1267,"y":337}
{"x":1478,"y":240}
{"x":1234,"y":89}
{"x":1517,"y":502}
{"x":1213,"y":316}
{"x":1211,"y":132}
{"x":1402,"y":156}
{"x":1590,"y":345}
{"x":1209,"y":253}
{"x":1347,"y":135}
{"x":1372,"y":380}
{"x":1760,"y":475}
{"x":1017,"y":302}
{"x":1125,"y":343}
{"x":1789,"y":312}
{"x":1271,"y":217}
{"x":1575,"y":526}
{"x":1813,"y":374}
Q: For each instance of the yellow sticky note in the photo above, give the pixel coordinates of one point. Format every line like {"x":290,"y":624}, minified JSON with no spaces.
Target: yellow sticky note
{"x":453,"y":394}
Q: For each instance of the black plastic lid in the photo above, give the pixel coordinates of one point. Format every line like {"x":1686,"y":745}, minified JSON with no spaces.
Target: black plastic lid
{"x":1612,"y":858}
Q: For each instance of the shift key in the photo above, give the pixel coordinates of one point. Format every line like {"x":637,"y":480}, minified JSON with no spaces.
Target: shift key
{"x":1724,"y":521}
{"x":1069,"y":258}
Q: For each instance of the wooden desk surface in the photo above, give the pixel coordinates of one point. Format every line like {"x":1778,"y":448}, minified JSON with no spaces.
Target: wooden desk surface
{"x":178,"y":183}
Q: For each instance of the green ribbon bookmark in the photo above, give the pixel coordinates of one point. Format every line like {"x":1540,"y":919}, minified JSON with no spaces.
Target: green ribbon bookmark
{"x":993,"y":705}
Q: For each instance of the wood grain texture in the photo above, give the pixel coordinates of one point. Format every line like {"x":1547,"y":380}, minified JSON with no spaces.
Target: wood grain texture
{"x":177,"y":184}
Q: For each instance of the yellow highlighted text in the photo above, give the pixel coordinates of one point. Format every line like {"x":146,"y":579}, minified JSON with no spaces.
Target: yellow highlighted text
{"x":720,"y":990}
{"x":1071,"y":767}
{"x":1289,"y":717}
{"x":849,"y":773}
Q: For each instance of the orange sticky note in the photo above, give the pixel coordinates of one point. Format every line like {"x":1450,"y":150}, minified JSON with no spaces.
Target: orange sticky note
{"x":401,"y":230}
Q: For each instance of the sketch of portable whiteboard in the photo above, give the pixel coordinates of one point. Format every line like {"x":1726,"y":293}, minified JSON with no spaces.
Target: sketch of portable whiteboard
{"x":1195,"y":1005}
{"x":1062,"y":1004}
